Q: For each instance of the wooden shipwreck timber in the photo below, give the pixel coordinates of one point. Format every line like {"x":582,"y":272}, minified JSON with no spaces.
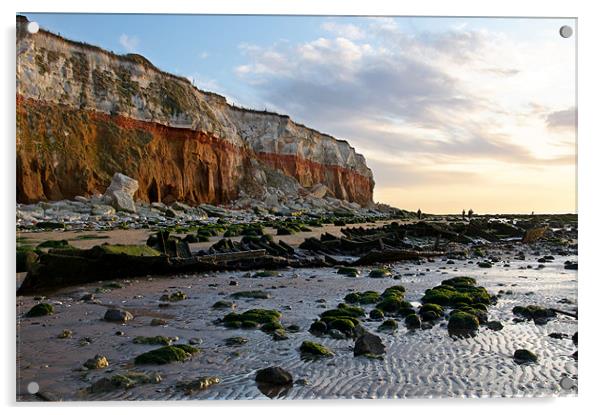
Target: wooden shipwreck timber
{"x":165,"y":255}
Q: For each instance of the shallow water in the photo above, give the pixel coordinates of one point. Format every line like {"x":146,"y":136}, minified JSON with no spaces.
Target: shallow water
{"x":424,"y":363}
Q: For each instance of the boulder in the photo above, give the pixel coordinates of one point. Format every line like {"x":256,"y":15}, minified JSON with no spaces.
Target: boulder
{"x":318,"y":191}
{"x":121,"y":191}
{"x":368,"y":344}
{"x":117,"y":315}
{"x":97,"y":362}
{"x":274,"y":375}
{"x":524,"y":356}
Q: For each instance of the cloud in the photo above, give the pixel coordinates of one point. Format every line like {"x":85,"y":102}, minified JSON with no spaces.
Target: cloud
{"x":204,"y":55}
{"x":349,"y":31}
{"x":564,"y":119}
{"x":429,"y":106}
{"x":129,"y":43}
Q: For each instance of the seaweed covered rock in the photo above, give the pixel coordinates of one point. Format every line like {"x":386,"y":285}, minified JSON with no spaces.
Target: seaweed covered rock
{"x":348,"y":271}
{"x":257,"y":294}
{"x":123,"y":381}
{"x":309,"y":348}
{"x":392,"y":301}
{"x":368,"y":344}
{"x":221,"y":304}
{"x":430,"y":311}
{"x":268,"y":320}
{"x":388,"y":325}
{"x":458,"y":290}
{"x":524,"y":356}
{"x":412,"y":321}
{"x":274,"y":375}
{"x":462,"y":324}
{"x":377,"y":314}
{"x":534,"y":312}
{"x":366,"y":297}
{"x":166,"y":354}
{"x":318,"y":327}
{"x":26,"y":258}
{"x":344,"y":310}
{"x":39,"y":310}
{"x":380,"y":273}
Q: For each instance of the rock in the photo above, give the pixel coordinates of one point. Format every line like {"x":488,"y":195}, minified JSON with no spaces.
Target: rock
{"x":388,"y":325}
{"x":575,"y":338}
{"x":118,"y":315}
{"x":65,"y":334}
{"x":173,"y":297}
{"x":379,"y":273}
{"x":97,"y":362}
{"x":198,"y":384}
{"x":462,"y":324}
{"x":155,"y":340}
{"x":121,"y":192}
{"x":495,"y":325}
{"x":318,"y":327}
{"x":279,"y":335}
{"x":166,"y":354}
{"x":103,"y":210}
{"x":348,"y":271}
{"x":87,"y":297}
{"x":125,"y":381}
{"x":195,"y":341}
{"x":377,"y":314}
{"x":40,"y":310}
{"x":315,"y":349}
{"x":236,"y":341}
{"x":158,"y":322}
{"x":337,"y":334}
{"x":319,"y":191}
{"x":368,"y":344}
{"x":221,"y":304}
{"x":274,"y":375}
{"x":412,"y":321}
{"x":524,"y":356}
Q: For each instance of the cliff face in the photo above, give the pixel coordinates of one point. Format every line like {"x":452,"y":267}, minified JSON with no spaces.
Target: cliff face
{"x":84,"y":113}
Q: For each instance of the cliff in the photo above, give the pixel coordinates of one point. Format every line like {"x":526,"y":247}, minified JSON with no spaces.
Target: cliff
{"x":84,"y":113}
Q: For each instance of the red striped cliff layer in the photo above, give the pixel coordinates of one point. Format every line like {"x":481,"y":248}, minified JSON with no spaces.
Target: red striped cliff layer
{"x":84,"y":113}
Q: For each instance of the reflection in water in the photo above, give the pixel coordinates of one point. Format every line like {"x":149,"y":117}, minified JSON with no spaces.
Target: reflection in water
{"x":273,"y":391}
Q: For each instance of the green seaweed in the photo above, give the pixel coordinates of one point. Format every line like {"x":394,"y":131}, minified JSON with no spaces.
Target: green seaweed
{"x":315,"y":349}
{"x":166,"y":354}
{"x":39,"y":310}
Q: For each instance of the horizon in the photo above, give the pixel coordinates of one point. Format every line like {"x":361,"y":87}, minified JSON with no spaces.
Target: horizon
{"x":435,"y":139}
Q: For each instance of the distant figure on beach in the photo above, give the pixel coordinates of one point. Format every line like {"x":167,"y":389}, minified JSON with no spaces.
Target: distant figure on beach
{"x":470,"y":213}
{"x":419,"y":213}
{"x":463,"y":214}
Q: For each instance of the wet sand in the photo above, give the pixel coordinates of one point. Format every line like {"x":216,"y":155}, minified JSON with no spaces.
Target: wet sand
{"x":88,"y":239}
{"x":421,"y":364}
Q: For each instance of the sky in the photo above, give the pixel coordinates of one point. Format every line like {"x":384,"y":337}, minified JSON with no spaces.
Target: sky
{"x":450,"y":113}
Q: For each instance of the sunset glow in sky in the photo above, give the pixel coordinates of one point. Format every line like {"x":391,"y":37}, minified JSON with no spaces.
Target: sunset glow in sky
{"x":450,"y":113}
